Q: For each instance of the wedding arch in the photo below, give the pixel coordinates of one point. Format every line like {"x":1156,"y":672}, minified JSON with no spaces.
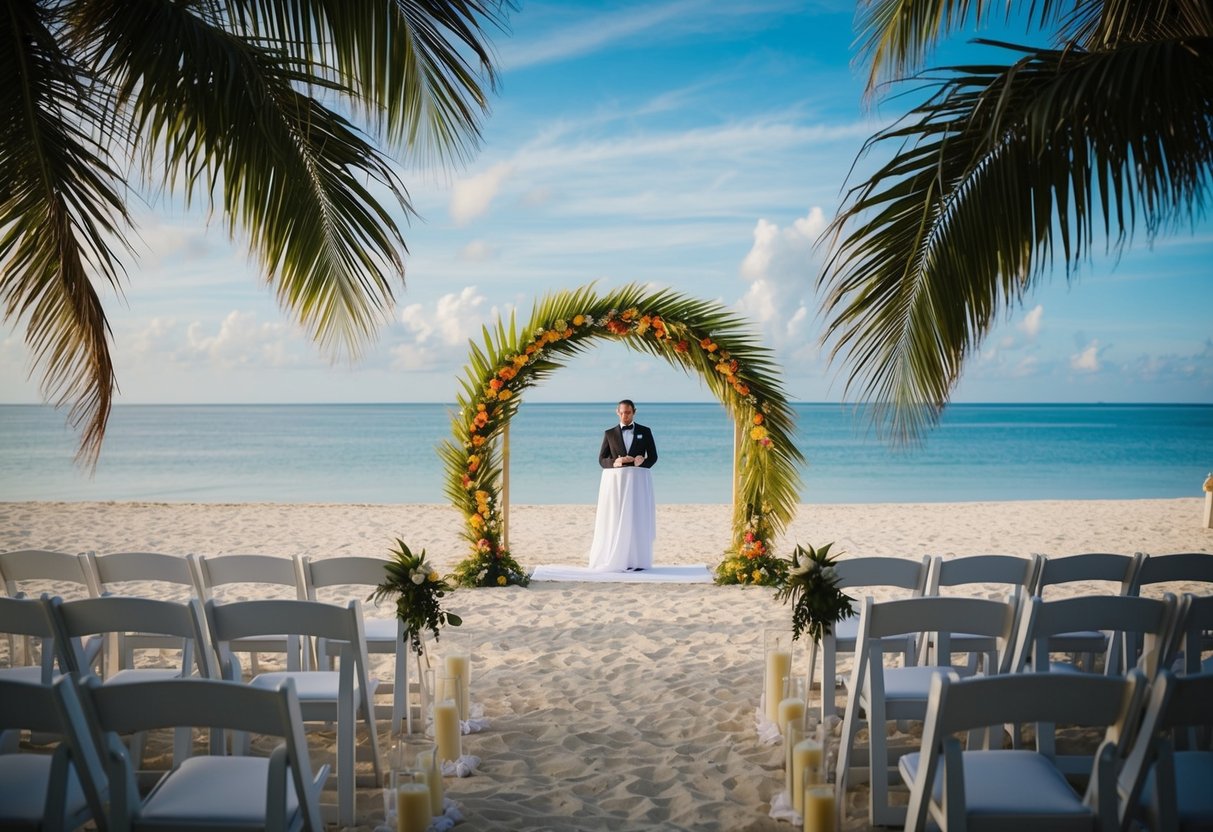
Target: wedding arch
{"x":698,"y":336}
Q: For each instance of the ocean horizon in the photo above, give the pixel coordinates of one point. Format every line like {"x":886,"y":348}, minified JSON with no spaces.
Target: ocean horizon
{"x":387,"y":453}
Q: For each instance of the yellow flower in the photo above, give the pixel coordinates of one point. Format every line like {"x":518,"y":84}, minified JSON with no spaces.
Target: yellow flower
{"x":520,"y":360}
{"x":482,"y":496}
{"x":501,"y":581}
{"x":578,"y":320}
{"x":476,"y":520}
{"x":756,"y":575}
{"x":758,"y":433}
{"x":561,"y":324}
{"x":433,"y":577}
{"x":504,"y":394}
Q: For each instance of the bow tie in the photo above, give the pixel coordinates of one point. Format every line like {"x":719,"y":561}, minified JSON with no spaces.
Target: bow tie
{"x":626,"y":427}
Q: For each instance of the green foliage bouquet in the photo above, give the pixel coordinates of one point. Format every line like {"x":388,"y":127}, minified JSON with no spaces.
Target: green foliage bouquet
{"x":812,"y":585}
{"x":418,"y":590}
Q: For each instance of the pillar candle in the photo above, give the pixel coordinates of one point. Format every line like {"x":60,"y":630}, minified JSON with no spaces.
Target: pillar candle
{"x":446,"y":729}
{"x":412,"y":807}
{"x":806,"y":768}
{"x":790,"y":709}
{"x":819,"y":812}
{"x":433,"y":779}
{"x":793,"y":734}
{"x":460,"y":664}
{"x":779,"y":663}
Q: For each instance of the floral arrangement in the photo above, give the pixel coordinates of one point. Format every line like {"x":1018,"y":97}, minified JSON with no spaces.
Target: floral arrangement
{"x":752,"y":561}
{"x":418,"y":590}
{"x":697,"y":336}
{"x":812,"y":586}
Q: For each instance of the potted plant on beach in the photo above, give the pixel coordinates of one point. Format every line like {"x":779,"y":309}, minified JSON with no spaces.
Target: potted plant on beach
{"x":418,"y":590}
{"x":811,"y":584}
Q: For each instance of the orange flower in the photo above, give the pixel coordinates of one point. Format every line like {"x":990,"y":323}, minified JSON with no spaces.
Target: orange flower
{"x":681,"y":346}
{"x":578,"y":320}
{"x":521,"y":360}
{"x":758,"y":420}
{"x":496,"y":383}
{"x":628,"y":314}
{"x":482,"y":419}
{"x":480,"y":407}
{"x":707,"y":344}
{"x":504,"y":394}
{"x":568,"y":332}
{"x":530,"y":348}
{"x":477,"y":440}
{"x":742,"y":390}
{"x":507,"y":373}
{"x":467,"y":481}
{"x":473,"y":463}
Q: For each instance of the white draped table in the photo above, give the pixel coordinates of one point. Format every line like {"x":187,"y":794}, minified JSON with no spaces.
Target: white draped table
{"x":626,"y":524}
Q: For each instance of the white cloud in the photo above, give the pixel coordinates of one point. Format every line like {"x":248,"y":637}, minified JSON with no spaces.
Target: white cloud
{"x":1087,"y":360}
{"x":1030,"y":325}
{"x":471,"y":197}
{"x":242,"y":340}
{"x":780,"y":268}
{"x":454,"y":319}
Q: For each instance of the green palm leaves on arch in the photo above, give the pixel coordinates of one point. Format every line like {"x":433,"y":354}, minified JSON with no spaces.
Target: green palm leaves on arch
{"x":700,"y":337}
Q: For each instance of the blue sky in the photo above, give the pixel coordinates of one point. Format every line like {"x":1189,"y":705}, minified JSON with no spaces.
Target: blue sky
{"x":692,"y":144}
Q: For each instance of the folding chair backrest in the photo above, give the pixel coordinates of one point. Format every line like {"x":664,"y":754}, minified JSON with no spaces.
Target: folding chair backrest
{"x":273,"y":570}
{"x":902,"y":573}
{"x":353,"y":570}
{"x":1093,"y":566}
{"x":1122,"y":614}
{"x":139,"y":567}
{"x":28,"y":617}
{"x":1193,"y":621}
{"x":124,"y":614}
{"x":243,"y":619}
{"x":45,"y":568}
{"x":940,"y":616}
{"x":1005,"y":570}
{"x":1072,"y":699}
{"x":1185,"y":567}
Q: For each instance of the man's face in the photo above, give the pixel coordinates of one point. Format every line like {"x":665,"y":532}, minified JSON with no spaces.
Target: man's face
{"x":626,"y":414}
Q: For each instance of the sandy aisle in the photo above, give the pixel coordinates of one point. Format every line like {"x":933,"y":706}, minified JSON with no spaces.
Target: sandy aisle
{"x":613,"y":706}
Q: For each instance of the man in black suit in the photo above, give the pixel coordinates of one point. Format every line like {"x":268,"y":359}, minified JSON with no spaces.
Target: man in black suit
{"x":626,"y":521}
{"x":627,"y":443}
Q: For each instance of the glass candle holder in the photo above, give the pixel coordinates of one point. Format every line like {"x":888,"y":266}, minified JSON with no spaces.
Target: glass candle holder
{"x":778,"y":650}
{"x":412,"y":801}
{"x":792,"y":706}
{"x":820,"y":809}
{"x":445,"y":717}
{"x":457,"y":662}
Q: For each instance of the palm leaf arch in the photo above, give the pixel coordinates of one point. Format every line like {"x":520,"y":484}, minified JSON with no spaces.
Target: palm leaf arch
{"x":698,"y":336}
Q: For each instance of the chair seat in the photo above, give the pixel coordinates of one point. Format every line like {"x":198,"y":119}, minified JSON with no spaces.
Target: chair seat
{"x":310,"y":686}
{"x":23,"y":784}
{"x":26,"y":673}
{"x":1193,"y":776}
{"x":906,"y":689}
{"x":1079,"y":641}
{"x":380,"y":631}
{"x":846,"y":631}
{"x":142,"y":674}
{"x":1022,"y":784}
{"x":214,"y":791}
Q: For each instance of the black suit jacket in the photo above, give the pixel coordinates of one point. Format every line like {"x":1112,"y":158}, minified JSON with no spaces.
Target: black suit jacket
{"x":642,"y":445}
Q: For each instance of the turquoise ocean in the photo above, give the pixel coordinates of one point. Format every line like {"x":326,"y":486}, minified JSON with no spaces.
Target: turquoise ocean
{"x":386,"y":453}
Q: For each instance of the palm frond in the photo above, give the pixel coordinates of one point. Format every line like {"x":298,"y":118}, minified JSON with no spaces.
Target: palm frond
{"x":997,"y":170}
{"x":60,"y":210}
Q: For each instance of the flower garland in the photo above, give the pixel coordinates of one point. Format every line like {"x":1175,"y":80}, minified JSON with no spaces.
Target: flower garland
{"x":509,"y":363}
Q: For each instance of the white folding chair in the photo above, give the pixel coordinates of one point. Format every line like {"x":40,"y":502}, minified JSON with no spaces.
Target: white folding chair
{"x":1167,"y":780}
{"x":1121,"y":615}
{"x":383,"y":635}
{"x":182,"y":624}
{"x":978,"y":789}
{"x":1004,"y":573}
{"x":1181,"y":568}
{"x":329,"y":696}
{"x":280,"y":577}
{"x":170,"y":577}
{"x":882,"y":694}
{"x":1094,"y":571}
{"x":59,"y":790}
{"x":215,"y":791}
{"x":898,"y":573}
{"x":36,"y":572}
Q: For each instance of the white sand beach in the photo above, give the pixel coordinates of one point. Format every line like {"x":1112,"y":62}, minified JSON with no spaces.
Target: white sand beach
{"x":614,"y":706}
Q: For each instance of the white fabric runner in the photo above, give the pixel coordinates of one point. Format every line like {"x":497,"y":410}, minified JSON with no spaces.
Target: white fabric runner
{"x":696,"y":574}
{"x":626,"y":523}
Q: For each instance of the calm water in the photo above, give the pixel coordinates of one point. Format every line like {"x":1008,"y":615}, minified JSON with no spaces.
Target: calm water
{"x":386,"y":454}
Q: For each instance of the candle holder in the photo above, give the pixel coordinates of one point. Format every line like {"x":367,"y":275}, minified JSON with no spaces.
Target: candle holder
{"x":792,"y":736}
{"x":444,"y":716}
{"x":820,"y":809}
{"x":411,"y":799}
{"x":778,"y":652}
{"x":457,"y":661}
{"x":793,"y":706}
{"x":806,"y":769}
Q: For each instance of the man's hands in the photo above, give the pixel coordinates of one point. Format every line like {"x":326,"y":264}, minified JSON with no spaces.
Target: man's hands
{"x":621,"y":461}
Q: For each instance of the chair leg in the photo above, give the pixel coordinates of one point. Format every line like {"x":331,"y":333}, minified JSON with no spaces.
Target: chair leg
{"x":347,"y":727}
{"x":829,"y":668}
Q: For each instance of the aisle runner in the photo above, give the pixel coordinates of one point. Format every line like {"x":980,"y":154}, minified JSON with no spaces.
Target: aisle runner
{"x":697,"y":574}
